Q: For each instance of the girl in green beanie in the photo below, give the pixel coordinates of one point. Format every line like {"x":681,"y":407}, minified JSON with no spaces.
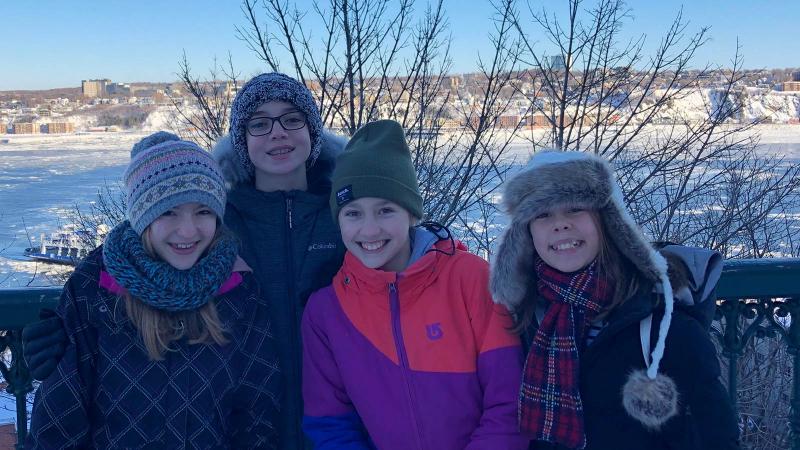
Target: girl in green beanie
{"x":405,"y":349}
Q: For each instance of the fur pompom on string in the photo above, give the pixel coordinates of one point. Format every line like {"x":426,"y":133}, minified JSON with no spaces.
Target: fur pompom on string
{"x":650,"y":401}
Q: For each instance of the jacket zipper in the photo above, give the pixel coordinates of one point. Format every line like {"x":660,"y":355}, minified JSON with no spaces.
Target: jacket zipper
{"x":397,"y":332}
{"x":293,"y":302}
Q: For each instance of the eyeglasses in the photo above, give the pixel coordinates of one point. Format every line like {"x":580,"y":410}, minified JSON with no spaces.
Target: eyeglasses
{"x":260,"y":126}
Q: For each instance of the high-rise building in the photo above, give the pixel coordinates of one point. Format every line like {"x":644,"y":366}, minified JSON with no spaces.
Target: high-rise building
{"x":557,"y":62}
{"x":94,"y":88}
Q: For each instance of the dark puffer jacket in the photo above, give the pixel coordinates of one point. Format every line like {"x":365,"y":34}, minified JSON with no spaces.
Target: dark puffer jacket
{"x":294,"y":247}
{"x":107,"y":393}
{"x":705,"y":417}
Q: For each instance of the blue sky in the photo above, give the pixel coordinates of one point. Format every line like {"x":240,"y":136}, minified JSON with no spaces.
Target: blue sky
{"x":49,"y":44}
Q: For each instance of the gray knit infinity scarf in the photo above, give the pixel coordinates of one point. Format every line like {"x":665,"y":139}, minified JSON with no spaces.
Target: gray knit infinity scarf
{"x":157,"y":283}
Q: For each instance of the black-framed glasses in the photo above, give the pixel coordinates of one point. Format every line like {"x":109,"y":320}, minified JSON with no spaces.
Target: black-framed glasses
{"x":259,"y":126}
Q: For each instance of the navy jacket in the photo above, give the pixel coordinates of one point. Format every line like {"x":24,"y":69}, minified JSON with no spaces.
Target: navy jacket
{"x":107,"y":393}
{"x":705,"y":419}
{"x":290,"y":240}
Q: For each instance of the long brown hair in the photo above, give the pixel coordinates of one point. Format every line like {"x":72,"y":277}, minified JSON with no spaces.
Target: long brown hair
{"x":611,"y":264}
{"x":159,"y":329}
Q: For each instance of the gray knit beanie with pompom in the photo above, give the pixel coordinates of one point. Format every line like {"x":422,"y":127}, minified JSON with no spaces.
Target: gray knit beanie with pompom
{"x":166,"y":172}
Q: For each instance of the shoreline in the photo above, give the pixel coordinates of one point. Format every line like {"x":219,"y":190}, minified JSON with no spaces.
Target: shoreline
{"x":770,"y":133}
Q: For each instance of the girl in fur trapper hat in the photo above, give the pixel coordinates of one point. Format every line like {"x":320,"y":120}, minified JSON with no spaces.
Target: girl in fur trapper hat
{"x":584,"y":287}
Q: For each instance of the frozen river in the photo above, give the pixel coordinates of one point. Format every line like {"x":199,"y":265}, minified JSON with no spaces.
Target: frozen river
{"x":43,"y":178}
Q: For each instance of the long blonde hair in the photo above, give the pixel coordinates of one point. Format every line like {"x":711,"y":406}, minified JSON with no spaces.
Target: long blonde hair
{"x":159,"y":329}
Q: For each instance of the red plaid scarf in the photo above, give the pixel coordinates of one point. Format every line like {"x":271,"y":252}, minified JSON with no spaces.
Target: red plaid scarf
{"x":550,"y":407}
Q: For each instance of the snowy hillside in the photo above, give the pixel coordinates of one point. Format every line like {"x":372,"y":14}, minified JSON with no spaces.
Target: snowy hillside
{"x":757,"y":104}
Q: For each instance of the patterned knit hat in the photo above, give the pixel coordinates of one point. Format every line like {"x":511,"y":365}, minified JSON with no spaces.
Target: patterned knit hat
{"x":577,"y":179}
{"x":376,"y":163}
{"x":272,"y":87}
{"x":166,"y":172}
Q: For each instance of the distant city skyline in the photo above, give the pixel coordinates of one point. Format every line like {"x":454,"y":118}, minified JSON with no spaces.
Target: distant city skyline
{"x":55,"y":44}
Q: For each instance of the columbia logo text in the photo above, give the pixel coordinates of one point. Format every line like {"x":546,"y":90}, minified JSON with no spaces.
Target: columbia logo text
{"x":322,"y":246}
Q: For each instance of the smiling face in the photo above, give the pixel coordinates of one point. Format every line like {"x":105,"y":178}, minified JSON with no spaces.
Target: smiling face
{"x":567,"y":239}
{"x":279,"y":157}
{"x":181,"y":235}
{"x":376,"y":231}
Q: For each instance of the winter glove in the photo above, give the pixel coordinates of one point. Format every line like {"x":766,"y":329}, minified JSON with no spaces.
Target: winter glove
{"x":43,"y":344}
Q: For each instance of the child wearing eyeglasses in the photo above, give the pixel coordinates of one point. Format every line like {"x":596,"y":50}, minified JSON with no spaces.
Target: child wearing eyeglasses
{"x":277,"y":162}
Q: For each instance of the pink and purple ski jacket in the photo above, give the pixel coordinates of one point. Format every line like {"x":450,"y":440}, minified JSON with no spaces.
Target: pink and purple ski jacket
{"x":420,"y":359}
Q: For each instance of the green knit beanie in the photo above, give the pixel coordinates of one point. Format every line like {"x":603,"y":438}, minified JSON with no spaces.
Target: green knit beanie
{"x":376,"y":163}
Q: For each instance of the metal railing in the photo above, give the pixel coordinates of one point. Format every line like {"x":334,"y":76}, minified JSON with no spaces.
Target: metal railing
{"x":756,"y":298}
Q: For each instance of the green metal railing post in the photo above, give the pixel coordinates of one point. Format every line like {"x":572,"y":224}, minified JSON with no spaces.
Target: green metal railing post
{"x":793,"y":341}
{"x":731,"y":345}
{"x":20,"y":307}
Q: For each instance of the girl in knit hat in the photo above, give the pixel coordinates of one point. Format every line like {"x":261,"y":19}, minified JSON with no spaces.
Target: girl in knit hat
{"x":169,"y":342}
{"x":611,"y":363}
{"x":277,"y":163}
{"x":405,"y":350}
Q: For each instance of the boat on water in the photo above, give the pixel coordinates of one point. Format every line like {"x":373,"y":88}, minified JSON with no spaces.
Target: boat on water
{"x":68,"y":245}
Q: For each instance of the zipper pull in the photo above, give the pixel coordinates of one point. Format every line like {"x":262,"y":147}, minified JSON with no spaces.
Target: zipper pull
{"x":393,"y":288}
{"x":289,"y":212}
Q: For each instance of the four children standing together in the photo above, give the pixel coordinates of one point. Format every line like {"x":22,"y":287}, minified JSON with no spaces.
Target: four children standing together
{"x":404,"y":348}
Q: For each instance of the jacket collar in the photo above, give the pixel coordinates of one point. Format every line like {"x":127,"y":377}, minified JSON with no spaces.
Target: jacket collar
{"x":354,"y":277}
{"x":319,"y":176}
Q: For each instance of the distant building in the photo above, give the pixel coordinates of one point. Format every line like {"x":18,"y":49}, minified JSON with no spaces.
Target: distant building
{"x":94,"y":88}
{"x":508,"y":121}
{"x":3,"y":128}
{"x":796,"y":76}
{"x":537,"y":120}
{"x":557,"y":62}
{"x":60,"y":127}
{"x":118,"y":89}
{"x":25,"y":128}
{"x":791,"y":86}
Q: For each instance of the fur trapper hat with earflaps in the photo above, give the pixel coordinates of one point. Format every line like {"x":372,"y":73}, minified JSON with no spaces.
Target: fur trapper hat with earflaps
{"x":576,"y":179}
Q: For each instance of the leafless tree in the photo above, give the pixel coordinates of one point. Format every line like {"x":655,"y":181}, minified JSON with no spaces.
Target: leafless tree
{"x":205,"y":118}
{"x":374,"y":59}
{"x":694,"y":180}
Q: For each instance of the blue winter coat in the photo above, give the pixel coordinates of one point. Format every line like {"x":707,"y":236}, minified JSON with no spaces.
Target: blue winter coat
{"x":106,"y":392}
{"x":290,"y":240}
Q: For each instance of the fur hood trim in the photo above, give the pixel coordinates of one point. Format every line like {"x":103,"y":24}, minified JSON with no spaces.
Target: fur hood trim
{"x":235,"y":173}
{"x":573,"y":179}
